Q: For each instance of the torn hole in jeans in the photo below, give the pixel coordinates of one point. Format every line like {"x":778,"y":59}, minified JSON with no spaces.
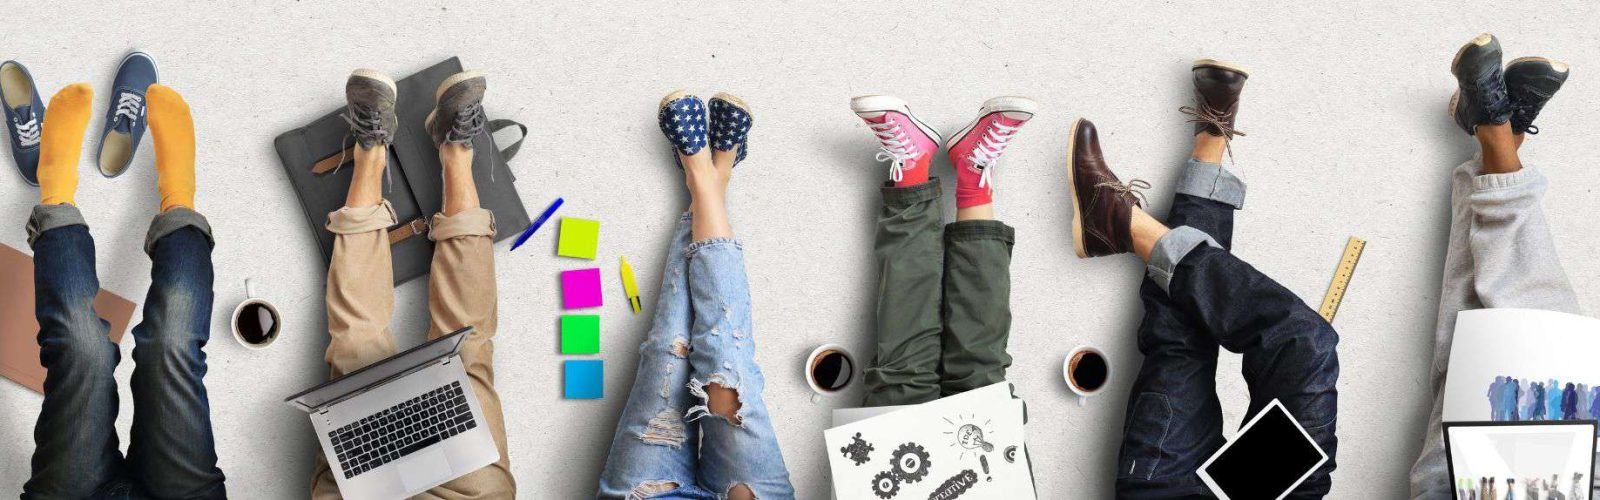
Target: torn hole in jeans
{"x":698,"y":389}
{"x":665,"y":429}
{"x":649,"y":489}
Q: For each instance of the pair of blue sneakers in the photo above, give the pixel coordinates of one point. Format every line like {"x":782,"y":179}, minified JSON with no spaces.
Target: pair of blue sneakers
{"x":125,"y":117}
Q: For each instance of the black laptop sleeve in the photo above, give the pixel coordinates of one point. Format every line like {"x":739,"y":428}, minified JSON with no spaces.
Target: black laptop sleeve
{"x":312,"y":156}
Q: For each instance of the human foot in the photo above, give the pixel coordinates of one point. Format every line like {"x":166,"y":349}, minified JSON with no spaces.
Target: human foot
{"x":172,"y":130}
{"x":369,"y":108}
{"x":1481,"y":98}
{"x":908,"y":143}
{"x":24,"y":116}
{"x":1530,"y":83}
{"x":1102,"y":205}
{"x":978,"y":146}
{"x":730,"y":128}
{"x":61,"y":144}
{"x":125,"y":119}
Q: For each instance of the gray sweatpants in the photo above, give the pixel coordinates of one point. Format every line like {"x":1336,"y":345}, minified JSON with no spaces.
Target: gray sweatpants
{"x":1500,"y":255}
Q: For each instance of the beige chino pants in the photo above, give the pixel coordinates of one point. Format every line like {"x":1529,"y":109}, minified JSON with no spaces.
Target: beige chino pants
{"x":461,"y":292}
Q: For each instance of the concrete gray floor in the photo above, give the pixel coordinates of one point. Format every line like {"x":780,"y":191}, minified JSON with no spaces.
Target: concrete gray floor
{"x":1345,"y":112}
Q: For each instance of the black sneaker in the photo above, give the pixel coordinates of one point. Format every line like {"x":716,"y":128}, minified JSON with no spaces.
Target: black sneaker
{"x":1531,"y":82}
{"x":458,"y":117}
{"x":369,"y":110}
{"x":1482,"y":97}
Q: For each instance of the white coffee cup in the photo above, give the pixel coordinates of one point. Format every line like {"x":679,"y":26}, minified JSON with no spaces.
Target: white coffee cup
{"x":252,"y":300}
{"x":833,"y":354}
{"x":1073,"y":358}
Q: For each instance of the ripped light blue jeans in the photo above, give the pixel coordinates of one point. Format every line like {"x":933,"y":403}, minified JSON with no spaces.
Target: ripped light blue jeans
{"x":668,"y":443}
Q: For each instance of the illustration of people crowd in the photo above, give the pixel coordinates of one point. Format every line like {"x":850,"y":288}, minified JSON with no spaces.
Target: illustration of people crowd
{"x":1516,"y":400}
{"x":1490,"y":488}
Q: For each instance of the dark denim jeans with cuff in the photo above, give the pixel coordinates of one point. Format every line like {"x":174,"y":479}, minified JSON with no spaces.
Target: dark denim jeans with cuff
{"x":1198,"y":298}
{"x":172,"y":453}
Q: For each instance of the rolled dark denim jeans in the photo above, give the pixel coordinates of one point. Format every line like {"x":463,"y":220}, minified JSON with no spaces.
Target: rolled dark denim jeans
{"x":171,"y":453}
{"x":1211,"y":300}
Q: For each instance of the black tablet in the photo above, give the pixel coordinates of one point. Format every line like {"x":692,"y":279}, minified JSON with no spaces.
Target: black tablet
{"x":1268,"y":458}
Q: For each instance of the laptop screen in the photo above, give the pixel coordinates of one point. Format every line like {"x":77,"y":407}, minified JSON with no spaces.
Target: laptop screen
{"x":1540,"y":455}
{"x":398,"y":364}
{"x":1268,"y":457}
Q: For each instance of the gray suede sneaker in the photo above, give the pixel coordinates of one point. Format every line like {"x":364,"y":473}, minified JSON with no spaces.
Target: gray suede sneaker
{"x":370,"y":97}
{"x":459,"y":115}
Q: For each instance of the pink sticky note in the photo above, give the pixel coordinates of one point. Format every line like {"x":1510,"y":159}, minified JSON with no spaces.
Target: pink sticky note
{"x":580,"y":288}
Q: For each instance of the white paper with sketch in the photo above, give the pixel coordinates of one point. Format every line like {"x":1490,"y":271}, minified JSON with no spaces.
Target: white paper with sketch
{"x":964,"y":446}
{"x":1511,"y":365}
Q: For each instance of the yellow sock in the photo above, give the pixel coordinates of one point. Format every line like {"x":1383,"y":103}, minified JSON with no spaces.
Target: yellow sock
{"x":172,"y":129}
{"x":61,"y":143}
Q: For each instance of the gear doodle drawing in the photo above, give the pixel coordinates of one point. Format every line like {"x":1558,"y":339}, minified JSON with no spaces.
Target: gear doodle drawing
{"x":885,"y":485}
{"x":858,"y":451}
{"x":910,"y":462}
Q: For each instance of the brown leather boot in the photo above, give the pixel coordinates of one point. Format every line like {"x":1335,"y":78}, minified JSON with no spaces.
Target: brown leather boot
{"x":1102,"y":205}
{"x":1216,"y":94}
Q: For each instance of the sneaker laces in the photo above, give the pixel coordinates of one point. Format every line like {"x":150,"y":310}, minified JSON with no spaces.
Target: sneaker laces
{"x":1134,"y":188}
{"x":28,"y":132}
{"x":995,"y":139}
{"x":897,"y":147}
{"x":1214,"y":118}
{"x":1492,"y":95}
{"x":129,"y":107}
{"x":468,"y":123}
{"x":1525,"y":109}
{"x":366,"y":125}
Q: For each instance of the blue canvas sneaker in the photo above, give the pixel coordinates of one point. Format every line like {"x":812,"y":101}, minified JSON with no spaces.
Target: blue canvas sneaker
{"x":125,"y":117}
{"x":24,"y":118}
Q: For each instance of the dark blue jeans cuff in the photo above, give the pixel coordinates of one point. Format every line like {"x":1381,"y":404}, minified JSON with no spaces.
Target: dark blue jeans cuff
{"x":173,"y":220}
{"x":47,"y":217}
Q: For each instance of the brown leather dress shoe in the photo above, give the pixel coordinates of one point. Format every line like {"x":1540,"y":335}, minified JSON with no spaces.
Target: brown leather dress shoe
{"x":1102,"y":205}
{"x":1216,"y":94}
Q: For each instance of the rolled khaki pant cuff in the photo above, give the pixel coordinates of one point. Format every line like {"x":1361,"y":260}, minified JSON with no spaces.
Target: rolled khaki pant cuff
{"x":172,"y":220}
{"x":1211,"y":181}
{"x":1171,"y":249}
{"x":474,"y":221}
{"x":353,"y":220}
{"x":47,"y":217}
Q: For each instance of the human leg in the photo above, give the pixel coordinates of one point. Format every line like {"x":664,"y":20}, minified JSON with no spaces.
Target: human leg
{"x":461,"y":280}
{"x":1500,"y":252}
{"x":171,"y":450}
{"x":654,"y":451}
{"x":76,"y":454}
{"x":360,"y":288}
{"x":909,"y":250}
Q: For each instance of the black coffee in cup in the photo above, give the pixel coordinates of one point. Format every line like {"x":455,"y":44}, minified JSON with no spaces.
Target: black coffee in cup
{"x":1088,"y":370}
{"x":832,"y":370}
{"x":257,"y":323}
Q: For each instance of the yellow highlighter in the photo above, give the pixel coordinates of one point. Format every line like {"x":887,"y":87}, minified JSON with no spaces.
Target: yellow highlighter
{"x":629,"y":287}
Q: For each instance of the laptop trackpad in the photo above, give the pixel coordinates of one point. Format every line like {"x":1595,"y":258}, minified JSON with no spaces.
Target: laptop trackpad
{"x":423,"y":470}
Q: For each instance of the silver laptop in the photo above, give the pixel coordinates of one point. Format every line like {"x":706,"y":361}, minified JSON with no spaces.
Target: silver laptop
{"x":401,"y":425}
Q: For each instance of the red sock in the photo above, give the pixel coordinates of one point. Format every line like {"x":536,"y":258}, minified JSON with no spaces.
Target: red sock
{"x":915,"y":171}
{"x":968,"y":194}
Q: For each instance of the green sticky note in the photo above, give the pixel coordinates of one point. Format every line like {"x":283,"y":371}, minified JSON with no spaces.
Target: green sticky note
{"x":580,"y":334}
{"x":579,"y":237}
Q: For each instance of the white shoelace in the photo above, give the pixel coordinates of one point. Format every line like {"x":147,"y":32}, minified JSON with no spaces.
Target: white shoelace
{"x":897,"y":147}
{"x":995,"y":139}
{"x":27,"y":132}
{"x":130,"y":106}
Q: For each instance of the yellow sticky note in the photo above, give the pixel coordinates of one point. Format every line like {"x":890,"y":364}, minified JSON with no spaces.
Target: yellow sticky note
{"x":579,"y":237}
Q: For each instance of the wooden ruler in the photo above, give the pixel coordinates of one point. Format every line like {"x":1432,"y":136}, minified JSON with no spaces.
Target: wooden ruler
{"x":1341,"y":277}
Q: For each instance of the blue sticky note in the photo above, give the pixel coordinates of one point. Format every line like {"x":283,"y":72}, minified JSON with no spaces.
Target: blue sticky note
{"x":583,"y":378}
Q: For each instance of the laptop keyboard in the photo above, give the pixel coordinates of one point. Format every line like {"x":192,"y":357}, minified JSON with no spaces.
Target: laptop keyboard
{"x":402,"y":429}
